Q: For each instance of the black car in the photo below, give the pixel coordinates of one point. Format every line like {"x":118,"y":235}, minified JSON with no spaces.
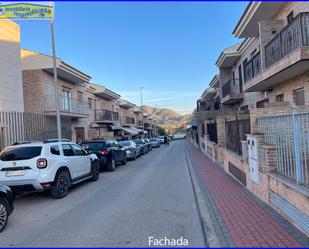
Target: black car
{"x":6,"y":205}
{"x":109,"y":153}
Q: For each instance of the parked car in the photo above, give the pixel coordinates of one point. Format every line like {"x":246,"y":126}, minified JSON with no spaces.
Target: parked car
{"x":132,"y":150}
{"x":6,"y":205}
{"x":155,"y":143}
{"x":142,"y":146}
{"x":109,"y":152}
{"x":161,"y":139}
{"x":40,"y":166}
{"x":148,"y":144}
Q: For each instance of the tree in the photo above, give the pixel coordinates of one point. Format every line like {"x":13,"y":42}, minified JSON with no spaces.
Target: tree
{"x":161,"y":131}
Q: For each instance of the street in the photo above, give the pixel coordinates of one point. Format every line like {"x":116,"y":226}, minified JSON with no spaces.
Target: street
{"x":149,"y":197}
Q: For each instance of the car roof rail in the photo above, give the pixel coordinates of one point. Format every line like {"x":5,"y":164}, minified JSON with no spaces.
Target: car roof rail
{"x":22,"y":142}
{"x":56,"y":140}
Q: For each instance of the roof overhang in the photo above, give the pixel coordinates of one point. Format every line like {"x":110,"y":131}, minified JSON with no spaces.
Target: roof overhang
{"x":32,"y":60}
{"x":255,"y":12}
{"x":104,"y":93}
{"x":227,"y":60}
{"x":215,"y":81}
{"x":209,"y":93}
{"x":137,"y":110}
{"x":126,"y":104}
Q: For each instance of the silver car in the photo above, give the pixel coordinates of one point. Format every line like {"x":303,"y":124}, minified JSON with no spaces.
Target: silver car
{"x":132,"y":151}
{"x":155,"y":143}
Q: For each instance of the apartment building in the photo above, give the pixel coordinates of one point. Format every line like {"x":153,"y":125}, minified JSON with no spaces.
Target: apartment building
{"x":39,"y":93}
{"x":11,"y":94}
{"x":258,"y":131}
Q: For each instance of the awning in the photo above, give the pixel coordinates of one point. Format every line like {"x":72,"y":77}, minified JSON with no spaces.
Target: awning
{"x":139,"y":131}
{"x":116,"y":127}
{"x":129,"y":131}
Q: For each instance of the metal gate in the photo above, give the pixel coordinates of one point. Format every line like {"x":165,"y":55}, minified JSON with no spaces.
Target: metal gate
{"x":290,"y":135}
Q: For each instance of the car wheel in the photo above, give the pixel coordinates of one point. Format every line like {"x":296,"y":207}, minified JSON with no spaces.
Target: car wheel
{"x":62,"y":184}
{"x":4,"y":213}
{"x":111,"y":165}
{"x":95,"y":170}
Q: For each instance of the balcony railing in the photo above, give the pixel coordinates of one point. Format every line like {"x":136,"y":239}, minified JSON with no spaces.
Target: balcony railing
{"x":291,"y":37}
{"x":231,"y":87}
{"x":106,"y":115}
{"x":127,"y":120}
{"x":66,"y":104}
{"x":252,"y":67}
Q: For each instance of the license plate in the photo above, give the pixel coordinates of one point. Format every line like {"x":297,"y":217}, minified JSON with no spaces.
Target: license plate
{"x":16,"y":173}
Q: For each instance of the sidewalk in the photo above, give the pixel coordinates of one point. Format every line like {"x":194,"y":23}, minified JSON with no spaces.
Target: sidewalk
{"x":240,"y":219}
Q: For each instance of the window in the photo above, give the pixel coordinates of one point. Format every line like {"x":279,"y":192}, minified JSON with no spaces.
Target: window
{"x":290,"y":17}
{"x":78,"y":151}
{"x":240,"y":78}
{"x":253,"y":53}
{"x":67,"y":150}
{"x":80,"y":97}
{"x":244,"y":108}
{"x":299,"y":96}
{"x":22,"y":153}
{"x":55,"y":150}
{"x":261,"y":104}
{"x":90,"y":103}
{"x":280,"y":98}
{"x":66,"y":102}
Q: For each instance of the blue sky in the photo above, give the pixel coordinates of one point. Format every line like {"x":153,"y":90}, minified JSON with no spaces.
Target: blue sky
{"x":168,"y":48}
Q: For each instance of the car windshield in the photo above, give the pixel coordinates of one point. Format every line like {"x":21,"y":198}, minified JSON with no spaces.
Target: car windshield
{"x":139,"y":141}
{"x":20,"y":153}
{"x":125,"y":143}
{"x":94,"y":146}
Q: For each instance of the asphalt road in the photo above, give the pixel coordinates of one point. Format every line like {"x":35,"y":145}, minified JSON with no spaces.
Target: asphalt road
{"x":151,"y":196}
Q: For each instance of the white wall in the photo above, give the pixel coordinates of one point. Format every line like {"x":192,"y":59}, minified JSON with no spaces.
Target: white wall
{"x":11,"y":92}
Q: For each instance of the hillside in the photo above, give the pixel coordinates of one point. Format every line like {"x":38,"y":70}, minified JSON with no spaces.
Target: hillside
{"x":167,"y":118}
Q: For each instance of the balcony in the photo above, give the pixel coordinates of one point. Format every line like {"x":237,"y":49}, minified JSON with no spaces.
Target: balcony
{"x":127,"y":121}
{"x":68,"y":106}
{"x":286,"y":55}
{"x":231,"y":92}
{"x":252,"y":68}
{"x":106,"y":116}
{"x":139,"y":124}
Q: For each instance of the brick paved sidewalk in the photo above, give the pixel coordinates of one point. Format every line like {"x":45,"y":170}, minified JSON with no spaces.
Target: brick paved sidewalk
{"x":239,"y":218}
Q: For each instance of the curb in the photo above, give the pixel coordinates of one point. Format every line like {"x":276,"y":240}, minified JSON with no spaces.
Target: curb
{"x":210,"y":235}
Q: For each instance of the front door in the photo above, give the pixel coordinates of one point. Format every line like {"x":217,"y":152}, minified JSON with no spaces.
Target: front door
{"x":80,"y":134}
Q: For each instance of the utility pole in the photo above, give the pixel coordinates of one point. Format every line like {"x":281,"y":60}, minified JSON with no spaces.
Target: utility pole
{"x":55,"y":80}
{"x":142,"y":107}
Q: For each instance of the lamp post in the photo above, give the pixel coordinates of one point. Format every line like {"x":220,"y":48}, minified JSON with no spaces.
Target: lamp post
{"x":142,"y":107}
{"x":55,"y":80}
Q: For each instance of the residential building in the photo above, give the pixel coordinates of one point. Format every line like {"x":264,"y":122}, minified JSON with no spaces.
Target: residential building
{"x":104,"y":114}
{"x":39,"y":93}
{"x":258,"y":133}
{"x":11,"y":94}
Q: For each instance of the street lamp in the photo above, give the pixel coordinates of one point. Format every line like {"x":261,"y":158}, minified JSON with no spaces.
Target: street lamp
{"x":142,"y":107}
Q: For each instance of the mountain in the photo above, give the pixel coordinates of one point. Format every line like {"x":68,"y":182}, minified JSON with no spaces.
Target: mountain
{"x":167,"y":118}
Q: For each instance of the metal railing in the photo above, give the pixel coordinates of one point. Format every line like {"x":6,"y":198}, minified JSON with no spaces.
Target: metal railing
{"x":291,"y":37}
{"x":289,"y":134}
{"x":66,"y":104}
{"x":106,"y":115}
{"x":230,"y":87}
{"x":127,"y":120}
{"x":253,"y":67}
{"x":22,"y":126}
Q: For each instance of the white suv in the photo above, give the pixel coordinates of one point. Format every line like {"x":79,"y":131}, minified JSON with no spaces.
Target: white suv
{"x":52,"y":165}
